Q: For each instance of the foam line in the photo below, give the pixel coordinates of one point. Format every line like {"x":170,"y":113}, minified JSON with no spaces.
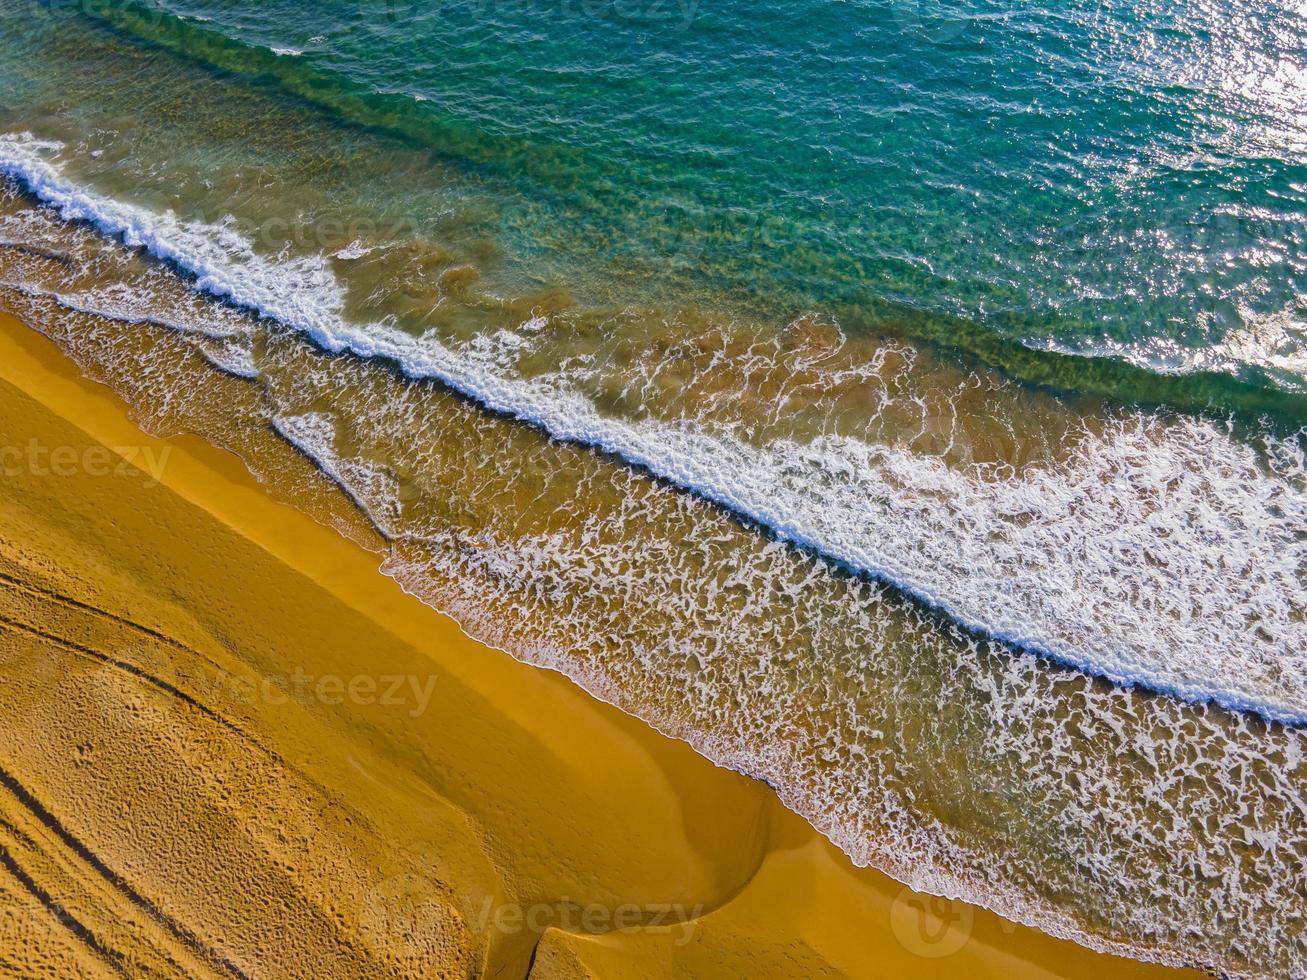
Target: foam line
{"x":1165,"y":553}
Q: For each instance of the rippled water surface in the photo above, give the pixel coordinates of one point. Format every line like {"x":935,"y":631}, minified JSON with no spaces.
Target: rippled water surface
{"x":736,"y":362}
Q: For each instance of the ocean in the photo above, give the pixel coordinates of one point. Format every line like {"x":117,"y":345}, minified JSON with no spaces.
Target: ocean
{"x":904,"y":403}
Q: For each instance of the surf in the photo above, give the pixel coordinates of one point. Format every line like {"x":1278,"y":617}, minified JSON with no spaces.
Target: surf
{"x":1161,"y":539}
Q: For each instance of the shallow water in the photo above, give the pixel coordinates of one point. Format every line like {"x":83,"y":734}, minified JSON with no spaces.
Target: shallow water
{"x":752,"y":421}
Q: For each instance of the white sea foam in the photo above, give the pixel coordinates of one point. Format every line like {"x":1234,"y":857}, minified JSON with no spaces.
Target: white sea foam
{"x":1274,"y":345}
{"x":863,"y":715}
{"x":1134,"y":824}
{"x":225,"y":341}
{"x":354,"y":250}
{"x":1163,"y":552}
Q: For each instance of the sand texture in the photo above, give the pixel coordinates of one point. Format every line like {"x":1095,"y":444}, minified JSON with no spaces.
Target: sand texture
{"x":230,"y":747}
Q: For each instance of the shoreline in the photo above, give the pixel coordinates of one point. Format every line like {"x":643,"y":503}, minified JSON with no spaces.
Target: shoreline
{"x":616,"y":815}
{"x":749,"y":494}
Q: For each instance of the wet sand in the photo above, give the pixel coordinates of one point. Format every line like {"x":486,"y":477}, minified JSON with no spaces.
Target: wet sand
{"x":232,"y":747}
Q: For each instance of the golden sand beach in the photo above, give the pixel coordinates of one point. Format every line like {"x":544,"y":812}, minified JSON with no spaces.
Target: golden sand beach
{"x":232,"y":747}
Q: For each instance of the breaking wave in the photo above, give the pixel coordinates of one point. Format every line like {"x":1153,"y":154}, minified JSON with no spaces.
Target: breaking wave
{"x":1162,"y":551}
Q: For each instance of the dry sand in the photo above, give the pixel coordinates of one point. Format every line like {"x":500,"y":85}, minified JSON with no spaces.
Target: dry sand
{"x":231,"y":746}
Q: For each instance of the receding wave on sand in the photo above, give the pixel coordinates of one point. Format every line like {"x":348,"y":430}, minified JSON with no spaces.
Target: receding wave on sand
{"x":919,"y":748}
{"x":1157,"y":540}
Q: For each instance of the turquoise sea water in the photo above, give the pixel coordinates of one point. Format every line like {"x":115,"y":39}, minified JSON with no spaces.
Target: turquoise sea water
{"x":1112,"y":178}
{"x":946,"y":366}
{"x":1125,"y":179}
